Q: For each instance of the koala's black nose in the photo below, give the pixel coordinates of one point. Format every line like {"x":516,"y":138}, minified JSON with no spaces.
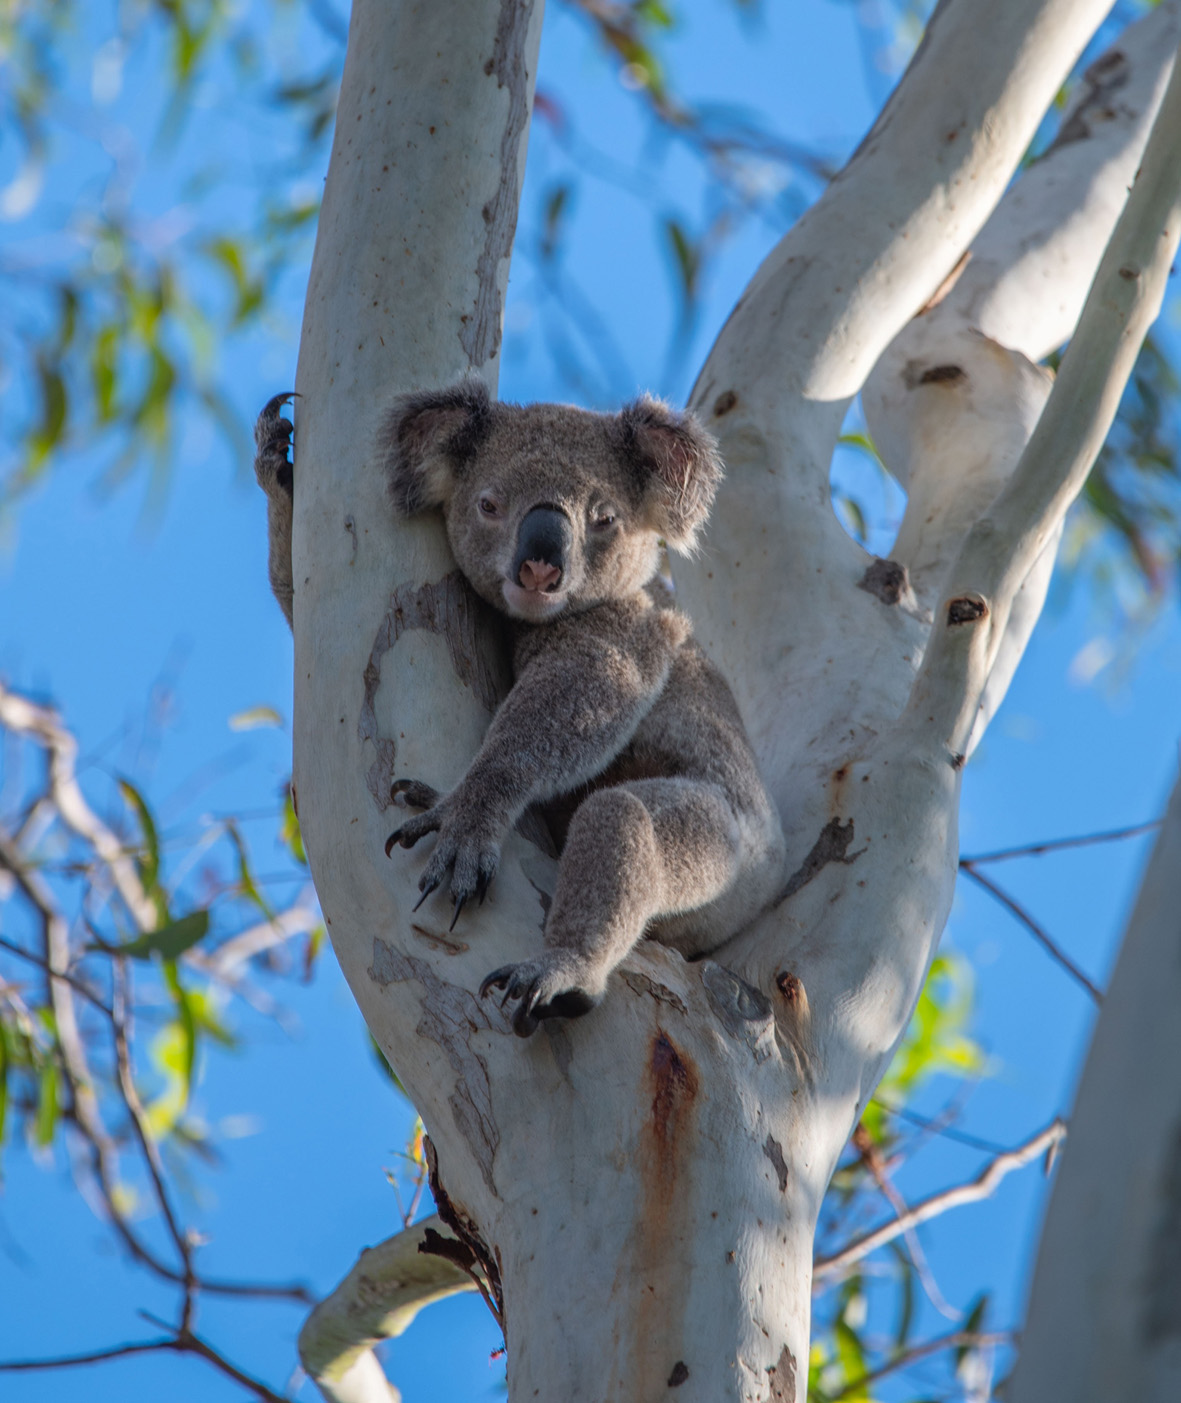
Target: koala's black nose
{"x":543,"y":543}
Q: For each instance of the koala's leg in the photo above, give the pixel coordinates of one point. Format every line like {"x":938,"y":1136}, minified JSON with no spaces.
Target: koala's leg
{"x":633,"y":853}
{"x":273,"y":469}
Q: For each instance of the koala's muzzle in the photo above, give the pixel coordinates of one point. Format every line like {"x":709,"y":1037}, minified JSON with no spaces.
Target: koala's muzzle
{"x":543,"y":545}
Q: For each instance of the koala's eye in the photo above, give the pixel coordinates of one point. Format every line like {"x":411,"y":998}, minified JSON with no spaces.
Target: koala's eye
{"x":488,"y":507}
{"x":603,"y":519}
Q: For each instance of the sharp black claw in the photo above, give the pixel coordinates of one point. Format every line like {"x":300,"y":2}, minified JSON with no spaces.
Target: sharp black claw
{"x":482,"y":882}
{"x":391,"y":842}
{"x":496,"y":980}
{"x":459,"y":900}
{"x":426,"y":891}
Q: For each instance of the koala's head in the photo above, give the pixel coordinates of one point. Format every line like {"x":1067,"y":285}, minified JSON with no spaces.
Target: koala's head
{"x":549,"y":507}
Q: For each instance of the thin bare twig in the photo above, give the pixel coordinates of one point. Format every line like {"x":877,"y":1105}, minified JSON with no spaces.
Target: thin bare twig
{"x":1058,"y":844}
{"x":1032,"y":926}
{"x":72,"y":980}
{"x":67,"y":1361}
{"x":43,"y":725}
{"x":194,"y":1344}
{"x":936,"y":1127}
{"x":957,"y":1339}
{"x":825,"y":1269}
{"x":177,"y":1341}
{"x":127,"y":1089}
{"x":872,"y":1160}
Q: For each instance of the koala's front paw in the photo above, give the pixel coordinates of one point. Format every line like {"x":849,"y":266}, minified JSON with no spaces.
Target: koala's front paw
{"x":466,"y":849}
{"x":542,"y":989}
{"x":272,"y":435}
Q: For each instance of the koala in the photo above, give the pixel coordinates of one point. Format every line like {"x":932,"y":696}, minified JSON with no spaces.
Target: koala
{"x":616,"y":725}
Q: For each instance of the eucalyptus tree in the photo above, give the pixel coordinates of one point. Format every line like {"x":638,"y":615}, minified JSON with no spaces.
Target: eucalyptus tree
{"x":636,"y":1192}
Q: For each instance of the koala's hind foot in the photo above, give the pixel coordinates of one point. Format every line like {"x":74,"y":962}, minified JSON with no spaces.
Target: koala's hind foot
{"x":543,"y":988}
{"x":467,"y":847}
{"x":272,"y":437}
{"x":275,"y":474}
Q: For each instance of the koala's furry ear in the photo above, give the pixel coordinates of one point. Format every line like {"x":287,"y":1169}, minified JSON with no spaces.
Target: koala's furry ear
{"x":683,"y":462}
{"x":425,"y":435}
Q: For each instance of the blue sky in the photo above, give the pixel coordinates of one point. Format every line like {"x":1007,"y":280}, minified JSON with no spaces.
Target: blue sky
{"x":95,"y":607}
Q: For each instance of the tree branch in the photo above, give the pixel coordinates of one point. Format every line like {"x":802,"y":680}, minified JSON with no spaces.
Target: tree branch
{"x":1038,"y":933}
{"x":40,"y":723}
{"x":1052,"y":845}
{"x":376,"y":1301}
{"x":957,"y":1339}
{"x":890,"y":228}
{"x":1002,"y":547}
{"x":828,"y":1269}
{"x":97,"y":1356}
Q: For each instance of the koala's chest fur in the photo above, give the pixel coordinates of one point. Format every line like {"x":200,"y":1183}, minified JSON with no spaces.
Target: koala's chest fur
{"x":690,"y":729}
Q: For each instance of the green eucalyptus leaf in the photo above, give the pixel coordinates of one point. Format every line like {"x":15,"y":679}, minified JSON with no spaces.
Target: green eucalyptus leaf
{"x":169,"y":941}
{"x":48,"y":1108}
{"x":971,"y":1325}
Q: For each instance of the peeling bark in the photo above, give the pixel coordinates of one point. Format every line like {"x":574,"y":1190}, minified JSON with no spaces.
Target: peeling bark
{"x":452,"y":609}
{"x":449,"y":1016}
{"x":831,"y":846}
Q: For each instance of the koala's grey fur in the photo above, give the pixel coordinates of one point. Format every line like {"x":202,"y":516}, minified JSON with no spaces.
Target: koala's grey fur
{"x":617,"y":723}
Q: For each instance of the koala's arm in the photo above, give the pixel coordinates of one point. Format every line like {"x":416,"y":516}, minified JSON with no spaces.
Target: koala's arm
{"x":573,"y":708}
{"x":273,"y":469}
{"x":570,"y":712}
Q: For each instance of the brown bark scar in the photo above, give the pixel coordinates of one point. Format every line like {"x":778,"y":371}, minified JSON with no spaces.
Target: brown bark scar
{"x":948,"y":282}
{"x":450,"y":1015}
{"x":440,"y":942}
{"x":943,"y":375}
{"x":675,"y":1089}
{"x":640,"y":984}
{"x":449,"y":607}
{"x":782,"y":1377}
{"x":831,"y":846}
{"x":887,"y":579}
{"x":480,"y":332}
{"x":471,"y":1251}
{"x":1103,"y":78}
{"x":774,"y":1152}
{"x":966,"y":610}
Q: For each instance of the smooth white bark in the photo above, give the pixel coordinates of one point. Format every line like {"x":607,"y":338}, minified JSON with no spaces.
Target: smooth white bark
{"x":643,"y":1184}
{"x":377,"y":1300}
{"x":954,"y":399}
{"x":1104,"y":1319}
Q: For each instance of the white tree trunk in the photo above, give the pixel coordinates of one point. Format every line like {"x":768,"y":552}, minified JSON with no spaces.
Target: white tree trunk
{"x":641,"y":1186}
{"x":1104,"y":1317}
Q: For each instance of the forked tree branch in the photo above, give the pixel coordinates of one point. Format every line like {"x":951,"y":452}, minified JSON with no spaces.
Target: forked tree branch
{"x":1002,"y":547}
{"x":891,"y":226}
{"x":828,"y":1269}
{"x":40,"y":723}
